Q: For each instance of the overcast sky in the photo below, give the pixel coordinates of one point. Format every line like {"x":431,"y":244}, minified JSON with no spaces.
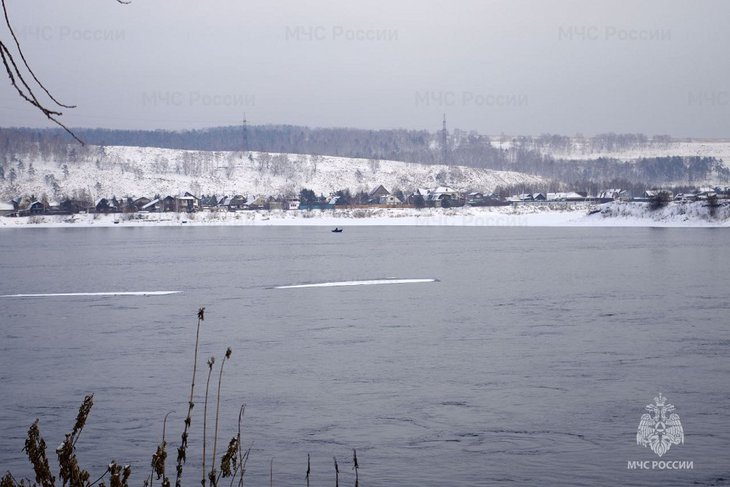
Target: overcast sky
{"x":507,"y":66}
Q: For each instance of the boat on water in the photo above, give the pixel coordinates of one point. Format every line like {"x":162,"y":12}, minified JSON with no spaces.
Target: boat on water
{"x":337,"y":230}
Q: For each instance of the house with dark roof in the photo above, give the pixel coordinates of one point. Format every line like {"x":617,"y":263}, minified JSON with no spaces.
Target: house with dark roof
{"x":233,"y":203}
{"x":35,"y":207}
{"x":376,"y":194}
{"x":140,"y":203}
{"x":105,"y":205}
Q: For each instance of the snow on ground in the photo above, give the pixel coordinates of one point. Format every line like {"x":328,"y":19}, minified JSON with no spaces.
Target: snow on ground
{"x":611,"y":214}
{"x":674,"y":214}
{"x":142,"y":171}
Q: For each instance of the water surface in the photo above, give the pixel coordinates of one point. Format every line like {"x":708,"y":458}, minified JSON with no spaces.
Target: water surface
{"x":528,"y":362}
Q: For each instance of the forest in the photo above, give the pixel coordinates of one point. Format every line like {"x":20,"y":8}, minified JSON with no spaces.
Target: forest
{"x":531,"y":155}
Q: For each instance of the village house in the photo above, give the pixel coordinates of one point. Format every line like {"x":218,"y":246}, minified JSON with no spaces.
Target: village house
{"x":528,"y":198}
{"x":6,"y":208}
{"x":259,"y":203}
{"x":140,"y":203}
{"x":420,"y":193}
{"x":187,"y":202}
{"x":152,"y":206}
{"x":682,"y":197}
{"x":104,"y":205}
{"x":390,"y":200}
{"x":70,"y":206}
{"x":168,"y":203}
{"x":651,"y":194}
{"x":34,"y":207}
{"x":438,"y":196}
{"x":293,"y":204}
{"x":376,"y":194}
{"x":480,"y":199}
{"x":474,"y":198}
{"x":613,"y":194}
{"x":235,"y":203}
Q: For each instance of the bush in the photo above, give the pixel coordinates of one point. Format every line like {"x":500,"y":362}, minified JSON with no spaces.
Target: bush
{"x":659,"y":200}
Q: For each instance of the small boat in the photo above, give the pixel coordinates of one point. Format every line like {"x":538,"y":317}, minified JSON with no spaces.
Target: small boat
{"x":337,"y":230}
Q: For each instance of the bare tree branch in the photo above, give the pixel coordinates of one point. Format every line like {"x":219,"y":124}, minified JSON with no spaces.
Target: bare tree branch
{"x":22,"y":56}
{"x":18,"y":81}
{"x":30,"y":96}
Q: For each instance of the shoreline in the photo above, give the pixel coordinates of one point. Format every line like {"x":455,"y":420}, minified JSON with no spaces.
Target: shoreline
{"x":691,"y":215}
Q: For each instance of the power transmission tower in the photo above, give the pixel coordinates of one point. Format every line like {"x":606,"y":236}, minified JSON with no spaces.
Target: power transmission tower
{"x":444,"y":144}
{"x":244,"y":148}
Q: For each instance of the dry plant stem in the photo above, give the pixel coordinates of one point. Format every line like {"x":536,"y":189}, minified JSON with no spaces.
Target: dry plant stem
{"x":211,"y":361}
{"x":181,"y":451}
{"x":309,"y":469}
{"x":355,"y":466}
{"x":201,"y":317}
{"x":241,"y":463}
{"x":100,"y":478}
{"x":217,"y":411}
{"x":241,"y":468}
{"x":337,"y":473}
{"x":165,"y":480}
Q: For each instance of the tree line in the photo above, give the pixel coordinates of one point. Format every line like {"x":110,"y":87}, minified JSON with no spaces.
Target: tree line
{"x":532,"y":155}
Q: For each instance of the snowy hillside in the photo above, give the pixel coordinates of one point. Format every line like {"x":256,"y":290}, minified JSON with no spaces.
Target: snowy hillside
{"x":123,"y":171}
{"x":582,"y":149}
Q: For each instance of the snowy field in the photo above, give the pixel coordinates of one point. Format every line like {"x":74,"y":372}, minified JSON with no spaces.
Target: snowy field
{"x":611,"y":214}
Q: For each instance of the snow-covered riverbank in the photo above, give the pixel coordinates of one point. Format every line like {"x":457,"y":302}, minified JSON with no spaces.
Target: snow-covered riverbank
{"x":613,"y":214}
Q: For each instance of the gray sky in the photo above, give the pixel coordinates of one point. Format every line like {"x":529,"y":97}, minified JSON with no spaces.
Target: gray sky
{"x":512,"y":66}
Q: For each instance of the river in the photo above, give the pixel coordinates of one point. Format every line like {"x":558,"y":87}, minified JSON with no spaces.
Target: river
{"x":523,"y":356}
